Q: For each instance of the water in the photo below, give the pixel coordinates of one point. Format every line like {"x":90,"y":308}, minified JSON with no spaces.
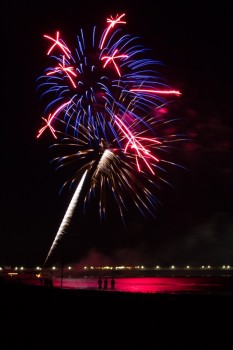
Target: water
{"x":170,"y":285}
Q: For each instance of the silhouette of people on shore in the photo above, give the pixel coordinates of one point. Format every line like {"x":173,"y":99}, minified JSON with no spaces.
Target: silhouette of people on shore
{"x":112,"y":283}
{"x":100,"y":283}
{"x":105,"y":283}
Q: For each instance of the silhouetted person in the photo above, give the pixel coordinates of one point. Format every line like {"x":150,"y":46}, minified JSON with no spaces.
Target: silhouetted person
{"x":105,"y":283}
{"x":112,"y":283}
{"x":100,"y":283}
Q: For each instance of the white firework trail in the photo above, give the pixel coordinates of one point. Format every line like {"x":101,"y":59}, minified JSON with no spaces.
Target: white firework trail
{"x":104,"y":162}
{"x":67,"y":217}
{"x":101,"y":168}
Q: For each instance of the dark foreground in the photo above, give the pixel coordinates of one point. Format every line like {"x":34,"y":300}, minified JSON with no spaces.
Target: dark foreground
{"x":64,"y":312}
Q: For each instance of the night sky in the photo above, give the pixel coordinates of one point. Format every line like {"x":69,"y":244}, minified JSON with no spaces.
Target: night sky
{"x":194,"y":223}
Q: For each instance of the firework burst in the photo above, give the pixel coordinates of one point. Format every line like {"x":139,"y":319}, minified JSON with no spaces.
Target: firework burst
{"x":103,"y":97}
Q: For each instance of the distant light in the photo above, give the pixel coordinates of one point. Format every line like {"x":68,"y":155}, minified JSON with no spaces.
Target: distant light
{"x":38,"y":268}
{"x":203,"y":267}
{"x":85,"y":267}
{"x":157,"y":267}
{"x":21,"y":268}
{"x":187,"y":266}
{"x":142,"y":267}
{"x":208,"y":266}
{"x":16,"y":268}
{"x":172,"y":266}
{"x":228,"y":266}
{"x":69,"y":267}
{"x":53,"y":268}
{"x":0,"y":268}
{"x":92,"y":267}
{"x":223,"y":266}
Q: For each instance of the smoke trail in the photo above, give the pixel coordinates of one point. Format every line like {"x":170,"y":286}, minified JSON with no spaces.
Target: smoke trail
{"x":67,"y":217}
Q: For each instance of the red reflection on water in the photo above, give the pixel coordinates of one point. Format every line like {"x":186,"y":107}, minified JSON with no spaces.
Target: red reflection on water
{"x":144,"y":284}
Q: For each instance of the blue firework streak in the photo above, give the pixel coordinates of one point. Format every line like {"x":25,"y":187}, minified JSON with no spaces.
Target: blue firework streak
{"x":102,"y":78}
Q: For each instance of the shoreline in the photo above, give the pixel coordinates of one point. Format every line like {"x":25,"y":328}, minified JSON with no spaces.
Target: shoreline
{"x":11,"y":288}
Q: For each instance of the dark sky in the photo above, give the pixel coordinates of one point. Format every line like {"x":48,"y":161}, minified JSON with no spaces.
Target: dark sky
{"x":194,"y":223}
